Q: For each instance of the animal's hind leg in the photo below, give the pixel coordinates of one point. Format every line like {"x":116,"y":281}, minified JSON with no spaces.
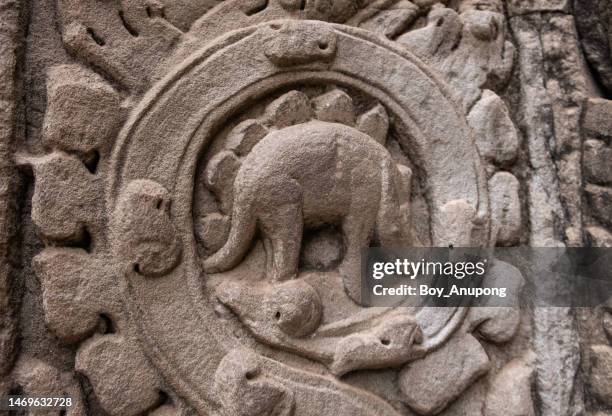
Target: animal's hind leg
{"x":393,"y":225}
{"x":357,"y":229}
{"x":284,"y":231}
{"x":281,"y":223}
{"x":268,"y":250}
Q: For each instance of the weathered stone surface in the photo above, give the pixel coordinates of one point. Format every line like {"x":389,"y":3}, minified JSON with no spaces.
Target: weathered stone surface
{"x":593,"y":18}
{"x":147,"y":242}
{"x":495,"y":133}
{"x":568,"y":85}
{"x":375,"y":123}
{"x":597,"y":161}
{"x":289,"y":44}
{"x":220,"y":175}
{"x":601,"y":367}
{"x":201,"y":184}
{"x":519,"y":7}
{"x":469,"y":48}
{"x":245,"y":135}
{"x":607,"y":323}
{"x":392,"y":20}
{"x":120,"y":374}
{"x":70,"y":293}
{"x":322,"y":250}
{"x":600,"y":199}
{"x":72,"y":213}
{"x":463,"y":361}
{"x":335,"y":106}
{"x":511,"y":390}
{"x":499,"y":324}
{"x":597,"y":117}
{"x":534,"y":112}
{"x":457,"y":223}
{"x":73,"y":92}
{"x":39,"y":379}
{"x":598,"y":237}
{"x":12,"y":30}
{"x":506,"y":208}
{"x":292,"y":108}
{"x":127,"y":40}
{"x":539,"y":111}
{"x":212,"y":231}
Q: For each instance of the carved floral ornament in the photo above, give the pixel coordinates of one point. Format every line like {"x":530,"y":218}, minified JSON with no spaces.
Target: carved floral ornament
{"x":188,"y":200}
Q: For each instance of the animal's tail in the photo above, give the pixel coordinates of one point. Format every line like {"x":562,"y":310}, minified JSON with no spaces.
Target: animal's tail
{"x":241,"y":234}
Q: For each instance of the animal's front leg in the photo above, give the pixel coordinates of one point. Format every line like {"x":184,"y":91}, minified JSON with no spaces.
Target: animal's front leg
{"x":284,"y":230}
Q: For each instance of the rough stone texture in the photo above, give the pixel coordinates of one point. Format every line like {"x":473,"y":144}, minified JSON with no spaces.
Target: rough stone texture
{"x":375,"y":123}
{"x":511,"y":393}
{"x":594,"y":18}
{"x":496,"y":135}
{"x":518,"y":7}
{"x":506,"y":208}
{"x":553,"y":91}
{"x":598,"y":237}
{"x":201,"y":176}
{"x":600,"y":198}
{"x":466,"y":360}
{"x":76,"y":93}
{"x":534,"y":119}
{"x":601,"y":366}
{"x":11,"y":47}
{"x":597,"y":157}
{"x":597,"y":117}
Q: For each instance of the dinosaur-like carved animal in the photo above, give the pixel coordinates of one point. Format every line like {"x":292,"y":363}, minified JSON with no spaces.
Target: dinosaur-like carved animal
{"x":312,"y":174}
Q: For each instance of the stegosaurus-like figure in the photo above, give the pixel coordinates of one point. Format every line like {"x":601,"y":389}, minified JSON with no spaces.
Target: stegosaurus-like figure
{"x":317,"y":172}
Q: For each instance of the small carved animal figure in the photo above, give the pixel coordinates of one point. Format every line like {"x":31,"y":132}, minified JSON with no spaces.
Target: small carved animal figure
{"x":312,"y":174}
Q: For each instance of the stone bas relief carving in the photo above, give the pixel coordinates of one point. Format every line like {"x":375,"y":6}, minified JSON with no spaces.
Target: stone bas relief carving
{"x":189,"y":184}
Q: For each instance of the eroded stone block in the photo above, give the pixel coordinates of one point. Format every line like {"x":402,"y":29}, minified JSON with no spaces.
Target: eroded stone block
{"x":521,"y":7}
{"x":597,"y":160}
{"x":600,"y":201}
{"x":598,"y":116}
{"x":84,"y":112}
{"x":463,"y":361}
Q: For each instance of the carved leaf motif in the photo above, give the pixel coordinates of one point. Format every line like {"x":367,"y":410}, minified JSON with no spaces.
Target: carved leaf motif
{"x":124,"y":382}
{"x":510,"y":393}
{"x":391,"y":20}
{"x":84,"y":112}
{"x":128,"y":40}
{"x":495,"y":134}
{"x":505,"y":208}
{"x":469,"y":49}
{"x":77,"y":288}
{"x":66,"y":198}
{"x":454,"y":367}
{"x":37,"y":378}
{"x":147,"y":239}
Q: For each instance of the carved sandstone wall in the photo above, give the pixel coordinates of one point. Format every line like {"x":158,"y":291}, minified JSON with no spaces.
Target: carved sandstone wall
{"x":186,"y":186}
